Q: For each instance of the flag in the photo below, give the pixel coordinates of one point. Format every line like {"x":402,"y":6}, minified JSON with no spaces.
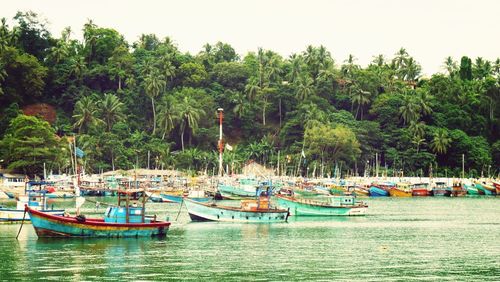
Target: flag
{"x":79,"y":153}
{"x":303,"y":154}
{"x":229,"y":147}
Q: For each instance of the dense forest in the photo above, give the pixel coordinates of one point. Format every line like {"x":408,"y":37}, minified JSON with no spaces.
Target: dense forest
{"x":148,"y":103}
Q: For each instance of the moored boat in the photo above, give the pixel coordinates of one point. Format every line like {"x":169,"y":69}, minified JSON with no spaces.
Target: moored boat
{"x":35,"y":197}
{"x":440,"y":189}
{"x":328,"y":206}
{"x":400,"y":190}
{"x":128,"y":219}
{"x":198,"y":196}
{"x":472,"y":190}
{"x":458,"y":190}
{"x":378,"y":192}
{"x":420,"y":190}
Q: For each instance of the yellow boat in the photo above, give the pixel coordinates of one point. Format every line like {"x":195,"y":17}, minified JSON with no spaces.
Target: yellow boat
{"x":401,"y":190}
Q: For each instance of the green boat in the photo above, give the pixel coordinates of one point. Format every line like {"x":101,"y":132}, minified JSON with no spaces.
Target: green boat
{"x":328,"y":206}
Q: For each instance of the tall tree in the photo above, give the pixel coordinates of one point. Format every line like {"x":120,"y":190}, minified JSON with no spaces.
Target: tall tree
{"x":86,"y":114}
{"x":112,"y":110}
{"x":154,"y":84}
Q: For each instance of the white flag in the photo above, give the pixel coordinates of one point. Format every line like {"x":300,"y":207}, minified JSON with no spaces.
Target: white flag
{"x":229,"y":147}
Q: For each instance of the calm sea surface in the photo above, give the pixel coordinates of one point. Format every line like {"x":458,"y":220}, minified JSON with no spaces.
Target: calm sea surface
{"x":440,"y":239}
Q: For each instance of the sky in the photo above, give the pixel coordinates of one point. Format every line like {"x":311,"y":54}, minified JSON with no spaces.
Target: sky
{"x":430,"y":30}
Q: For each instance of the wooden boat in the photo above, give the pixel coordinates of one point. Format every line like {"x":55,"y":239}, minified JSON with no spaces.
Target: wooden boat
{"x":485,"y":189}
{"x":400,"y":190}
{"x":35,"y":197}
{"x":497,"y":187}
{"x":420,"y":190}
{"x":457,"y":190}
{"x":441,"y":189}
{"x":360,"y":191}
{"x":128,"y":219}
{"x":246,"y":188}
{"x":198,"y":196}
{"x":252,"y":210}
{"x":327,"y":206}
{"x":378,"y":192}
{"x":472,"y":190}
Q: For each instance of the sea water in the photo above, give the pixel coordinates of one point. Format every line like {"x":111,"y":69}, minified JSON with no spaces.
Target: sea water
{"x":400,"y":239}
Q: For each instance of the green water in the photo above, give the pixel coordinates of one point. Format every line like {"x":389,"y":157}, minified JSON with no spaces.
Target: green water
{"x":440,"y":239}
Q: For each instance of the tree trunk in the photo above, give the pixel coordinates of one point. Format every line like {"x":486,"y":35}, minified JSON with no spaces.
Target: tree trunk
{"x":264,"y":113}
{"x":280,"y":113}
{"x":119,"y":83}
{"x":182,"y":138}
{"x":154,"y":115}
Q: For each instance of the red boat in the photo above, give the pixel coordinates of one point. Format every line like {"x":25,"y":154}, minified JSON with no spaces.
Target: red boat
{"x":420,"y":190}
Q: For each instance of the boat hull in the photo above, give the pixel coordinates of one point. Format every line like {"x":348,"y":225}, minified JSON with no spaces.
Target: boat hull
{"x":59,"y":226}
{"x":394,"y":192}
{"x":230,"y":191}
{"x":17,"y":215}
{"x":420,"y":192}
{"x":207,"y":212}
{"x":377,"y":192}
{"x":178,"y":199}
{"x":441,"y":192}
{"x":303,"y":208}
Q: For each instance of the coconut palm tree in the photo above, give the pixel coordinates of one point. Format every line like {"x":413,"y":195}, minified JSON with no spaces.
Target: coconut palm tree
{"x":296,"y":62}
{"x":409,"y":111}
{"x":450,"y":65}
{"x":189,"y":114}
{"x":417,"y":128}
{"x":85,"y":114}
{"x":441,"y":141}
{"x":252,"y":88}
{"x":418,"y":141}
{"x":112,"y":110}
{"x":304,"y":88}
{"x":167,"y":115}
{"x":424,"y":100}
{"x":361,"y":98}
{"x":154,"y":84}
{"x":241,"y":104}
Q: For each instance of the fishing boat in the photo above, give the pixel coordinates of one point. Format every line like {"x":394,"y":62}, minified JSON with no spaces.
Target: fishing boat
{"x":440,"y":189}
{"x":195,"y":195}
{"x":485,"y":189}
{"x":400,"y":190}
{"x":251,"y":210}
{"x":420,"y":190}
{"x":472,"y":190}
{"x":360,"y":191}
{"x":458,"y":190}
{"x":378,"y":190}
{"x":497,"y":187}
{"x":127,"y":219}
{"x":246,"y":187}
{"x":327,"y":206}
{"x":35,"y":197}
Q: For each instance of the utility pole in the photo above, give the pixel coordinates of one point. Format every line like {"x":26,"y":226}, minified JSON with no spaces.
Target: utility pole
{"x":221,"y":148}
{"x":463,"y":166}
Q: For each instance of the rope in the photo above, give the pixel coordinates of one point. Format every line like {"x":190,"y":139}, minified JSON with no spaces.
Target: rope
{"x":22,"y":223}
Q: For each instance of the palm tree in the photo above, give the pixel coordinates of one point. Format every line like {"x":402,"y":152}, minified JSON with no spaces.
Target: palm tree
{"x":305,"y":88}
{"x":153,"y":85}
{"x":409,"y":110}
{"x":400,"y":58}
{"x":78,"y":67}
{"x":112,"y":110}
{"x":252,"y":89}
{"x":441,"y":141}
{"x":190,"y":114}
{"x":168,"y":115}
{"x":296,"y":67}
{"x":418,"y":141}
{"x":424,"y":99}
{"x":411,"y":70}
{"x":349,"y":67}
{"x":450,"y":65}
{"x":379,"y":60}
{"x":417,"y":128}
{"x":168,"y":69}
{"x":240,"y":106}
{"x":361,"y":98}
{"x":85,"y":114}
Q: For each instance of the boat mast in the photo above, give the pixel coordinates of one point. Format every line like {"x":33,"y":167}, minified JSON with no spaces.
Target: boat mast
{"x":220,"y":111}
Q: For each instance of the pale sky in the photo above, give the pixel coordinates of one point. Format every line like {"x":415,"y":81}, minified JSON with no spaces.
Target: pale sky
{"x":430,"y":30}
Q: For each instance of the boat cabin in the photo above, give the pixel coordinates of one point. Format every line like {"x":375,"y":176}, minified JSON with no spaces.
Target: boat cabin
{"x":130,"y":209}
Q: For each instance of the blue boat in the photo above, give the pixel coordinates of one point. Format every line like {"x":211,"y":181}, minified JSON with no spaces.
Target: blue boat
{"x":128,"y":219}
{"x":377,"y":192}
{"x":193,"y":195}
{"x":35,"y":197}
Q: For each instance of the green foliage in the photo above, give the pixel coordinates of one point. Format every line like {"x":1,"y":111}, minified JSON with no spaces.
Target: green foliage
{"x":29,"y":143}
{"x":125,"y":100}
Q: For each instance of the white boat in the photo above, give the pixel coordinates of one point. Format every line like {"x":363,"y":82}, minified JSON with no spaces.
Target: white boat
{"x":36,"y":199}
